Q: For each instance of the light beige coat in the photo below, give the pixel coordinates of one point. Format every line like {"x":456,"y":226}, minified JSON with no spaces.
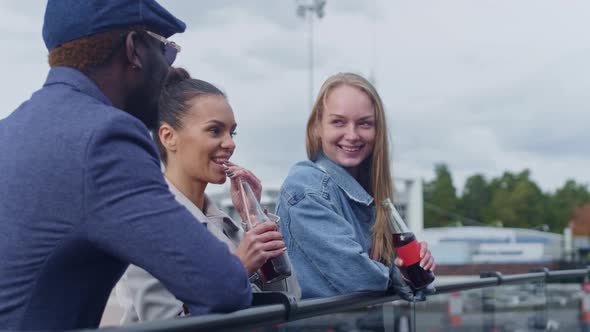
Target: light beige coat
{"x":144,"y":297}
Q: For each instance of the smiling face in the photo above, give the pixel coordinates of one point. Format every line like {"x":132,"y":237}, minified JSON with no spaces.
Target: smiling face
{"x":205,"y":140}
{"x":347,"y":127}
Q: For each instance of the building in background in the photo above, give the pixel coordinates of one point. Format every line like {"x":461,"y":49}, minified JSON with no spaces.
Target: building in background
{"x":492,"y":245}
{"x":471,"y":250}
{"x":578,"y":235}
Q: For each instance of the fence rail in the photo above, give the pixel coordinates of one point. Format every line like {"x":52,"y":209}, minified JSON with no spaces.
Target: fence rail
{"x":284,"y":309}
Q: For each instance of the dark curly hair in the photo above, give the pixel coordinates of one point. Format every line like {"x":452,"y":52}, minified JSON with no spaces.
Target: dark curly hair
{"x":89,"y":52}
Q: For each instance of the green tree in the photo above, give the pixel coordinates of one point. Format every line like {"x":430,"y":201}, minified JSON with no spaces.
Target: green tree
{"x":475,"y":198}
{"x":440,"y":198}
{"x":511,"y":200}
{"x":563,"y":202}
{"x":517,"y":201}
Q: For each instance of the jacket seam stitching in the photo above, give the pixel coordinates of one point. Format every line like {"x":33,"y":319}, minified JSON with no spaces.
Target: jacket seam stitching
{"x":330,"y":283}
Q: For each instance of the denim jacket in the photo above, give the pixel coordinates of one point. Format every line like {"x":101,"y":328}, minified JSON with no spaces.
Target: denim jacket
{"x":326,"y":220}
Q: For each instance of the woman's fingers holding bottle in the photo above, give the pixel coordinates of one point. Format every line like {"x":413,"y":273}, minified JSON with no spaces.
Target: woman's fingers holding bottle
{"x":266,"y":232}
{"x":246,"y":252}
{"x":269,"y":236}
{"x":426,"y":259}
{"x":235,"y":172}
{"x":264,"y":227}
{"x":252,"y":180}
{"x":230,"y":167}
{"x":427,"y":263}
{"x":251,"y":252}
{"x":270,"y":246}
{"x":431,"y":265}
{"x":423,"y":248}
{"x":259,"y":245}
{"x":277,"y":252}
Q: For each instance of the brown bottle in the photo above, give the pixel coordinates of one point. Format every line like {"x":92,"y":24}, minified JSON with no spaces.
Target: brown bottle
{"x":407,"y":248}
{"x":276,"y":268}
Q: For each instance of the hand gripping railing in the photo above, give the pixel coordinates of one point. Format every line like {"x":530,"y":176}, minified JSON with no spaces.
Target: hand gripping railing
{"x":276,"y":307}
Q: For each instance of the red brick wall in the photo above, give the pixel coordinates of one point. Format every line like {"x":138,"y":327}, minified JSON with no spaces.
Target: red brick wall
{"x":580,"y":222}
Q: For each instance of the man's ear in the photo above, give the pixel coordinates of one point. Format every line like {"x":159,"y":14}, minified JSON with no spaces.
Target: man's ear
{"x":132,"y":51}
{"x":168,"y":137}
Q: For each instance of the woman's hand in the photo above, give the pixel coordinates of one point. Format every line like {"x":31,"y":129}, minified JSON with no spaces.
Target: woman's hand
{"x":235,"y":172}
{"x":426,"y":259}
{"x":259,"y":244}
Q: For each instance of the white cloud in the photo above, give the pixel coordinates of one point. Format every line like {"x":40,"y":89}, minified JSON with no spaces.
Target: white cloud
{"x":485,"y":86}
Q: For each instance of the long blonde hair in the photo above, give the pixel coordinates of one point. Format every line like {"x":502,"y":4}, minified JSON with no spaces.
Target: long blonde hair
{"x":375,"y":169}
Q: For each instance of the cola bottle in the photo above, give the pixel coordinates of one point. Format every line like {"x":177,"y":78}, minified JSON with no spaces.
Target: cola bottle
{"x":407,"y":248}
{"x":276,"y":268}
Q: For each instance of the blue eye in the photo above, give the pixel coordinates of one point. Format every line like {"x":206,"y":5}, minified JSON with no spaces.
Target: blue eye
{"x":366,"y":124}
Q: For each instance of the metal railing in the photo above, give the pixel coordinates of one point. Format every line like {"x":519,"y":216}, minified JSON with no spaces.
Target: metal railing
{"x":279,"y":308}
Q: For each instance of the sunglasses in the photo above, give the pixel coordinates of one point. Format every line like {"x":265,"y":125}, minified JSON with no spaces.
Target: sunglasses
{"x":170,"y":48}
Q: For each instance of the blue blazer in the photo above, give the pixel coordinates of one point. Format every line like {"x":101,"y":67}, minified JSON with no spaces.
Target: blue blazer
{"x":82,"y":196}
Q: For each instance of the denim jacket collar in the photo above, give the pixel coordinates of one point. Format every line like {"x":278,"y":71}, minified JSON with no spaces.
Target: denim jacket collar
{"x":77,"y":80}
{"x":344,"y":180}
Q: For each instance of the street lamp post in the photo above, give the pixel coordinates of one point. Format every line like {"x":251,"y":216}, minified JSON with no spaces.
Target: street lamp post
{"x":303,"y":8}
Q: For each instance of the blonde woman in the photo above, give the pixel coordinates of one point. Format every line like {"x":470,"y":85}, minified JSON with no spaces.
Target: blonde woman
{"x":336,"y":232}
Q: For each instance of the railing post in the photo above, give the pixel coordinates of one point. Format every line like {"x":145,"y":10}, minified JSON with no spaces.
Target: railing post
{"x":585,"y":306}
{"x":269,"y":297}
{"x":398,"y":318}
{"x":488,"y":302}
{"x":454,"y":310}
{"x":539,"y":319}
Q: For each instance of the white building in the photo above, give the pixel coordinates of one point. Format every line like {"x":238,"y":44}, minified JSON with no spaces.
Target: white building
{"x":476,"y":245}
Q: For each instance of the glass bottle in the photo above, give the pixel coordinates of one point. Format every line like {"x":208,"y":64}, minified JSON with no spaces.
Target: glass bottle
{"x":407,"y":248}
{"x":276,"y":268}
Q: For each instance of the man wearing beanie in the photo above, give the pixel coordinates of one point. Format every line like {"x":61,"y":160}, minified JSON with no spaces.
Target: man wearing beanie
{"x":82,"y":193}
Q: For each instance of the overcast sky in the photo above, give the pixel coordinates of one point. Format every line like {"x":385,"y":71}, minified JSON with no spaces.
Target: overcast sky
{"x":483,"y":86}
